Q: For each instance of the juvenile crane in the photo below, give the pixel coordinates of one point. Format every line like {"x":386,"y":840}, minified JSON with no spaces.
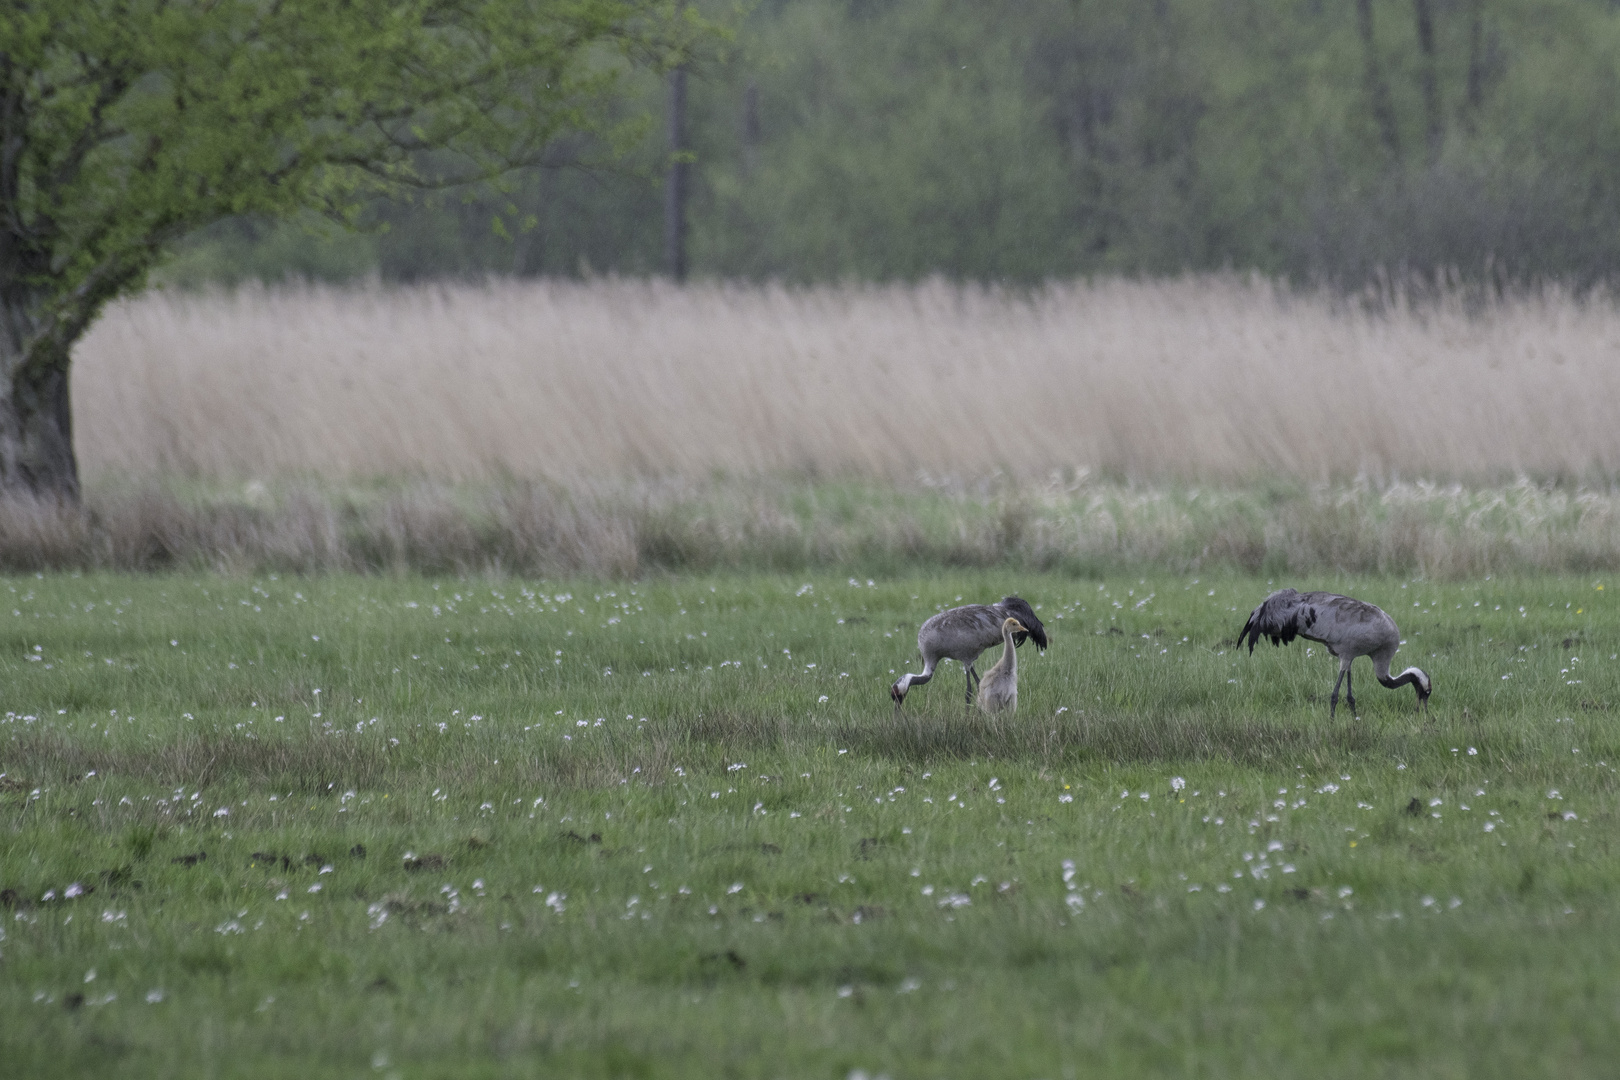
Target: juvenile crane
{"x":962,"y":634}
{"x":1349,"y":628}
{"x":999,"y":688}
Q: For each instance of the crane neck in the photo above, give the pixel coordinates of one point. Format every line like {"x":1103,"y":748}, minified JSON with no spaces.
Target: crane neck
{"x":1410,"y":675}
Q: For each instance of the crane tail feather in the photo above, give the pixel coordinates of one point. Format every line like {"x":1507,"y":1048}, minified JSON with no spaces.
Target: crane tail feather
{"x":1019,"y":608}
{"x":1281,"y":617}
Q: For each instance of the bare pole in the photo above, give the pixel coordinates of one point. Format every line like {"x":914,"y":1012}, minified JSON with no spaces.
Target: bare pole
{"x":675,"y":181}
{"x":1476,"y":61}
{"x":1433,"y":124}
{"x":1377,"y":87}
{"x":750,"y":126}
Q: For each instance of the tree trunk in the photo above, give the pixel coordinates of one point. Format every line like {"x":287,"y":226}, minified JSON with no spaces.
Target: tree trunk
{"x":751,"y":136}
{"x":1378,"y":93}
{"x":36,"y":439}
{"x":1429,"y":75}
{"x":675,"y":181}
{"x":1476,"y":63}
{"x":36,"y":417}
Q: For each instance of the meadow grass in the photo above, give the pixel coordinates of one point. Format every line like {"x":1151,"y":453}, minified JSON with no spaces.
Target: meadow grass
{"x":265,"y":825}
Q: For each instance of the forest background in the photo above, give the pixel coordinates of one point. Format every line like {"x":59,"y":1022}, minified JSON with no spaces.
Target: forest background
{"x":844,"y":140}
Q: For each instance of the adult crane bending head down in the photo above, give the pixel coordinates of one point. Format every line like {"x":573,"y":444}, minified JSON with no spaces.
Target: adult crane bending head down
{"x":962,"y":634}
{"x":1348,"y":627}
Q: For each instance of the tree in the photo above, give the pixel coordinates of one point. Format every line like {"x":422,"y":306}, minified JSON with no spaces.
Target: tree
{"x":125,"y":124}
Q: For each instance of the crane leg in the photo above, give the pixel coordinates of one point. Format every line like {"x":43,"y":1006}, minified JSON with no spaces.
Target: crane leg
{"x":972,"y":681}
{"x":1333,"y":702}
{"x":1349,"y":693}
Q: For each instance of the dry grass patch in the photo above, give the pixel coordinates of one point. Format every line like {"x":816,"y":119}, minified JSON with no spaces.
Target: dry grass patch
{"x":631,"y":529}
{"x":1200,"y":378}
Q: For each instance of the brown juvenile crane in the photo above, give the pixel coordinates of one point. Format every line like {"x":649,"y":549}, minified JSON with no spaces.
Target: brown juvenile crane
{"x":1349,"y":628}
{"x":962,"y":634}
{"x":999,"y":688}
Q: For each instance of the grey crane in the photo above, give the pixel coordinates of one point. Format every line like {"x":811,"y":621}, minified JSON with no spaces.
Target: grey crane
{"x":962,"y":634}
{"x":999,"y":688}
{"x":1349,"y":628}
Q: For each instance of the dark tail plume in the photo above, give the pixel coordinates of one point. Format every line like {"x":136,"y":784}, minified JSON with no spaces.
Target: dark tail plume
{"x":1281,"y":618}
{"x":1019,"y":608}
{"x":1251,"y":631}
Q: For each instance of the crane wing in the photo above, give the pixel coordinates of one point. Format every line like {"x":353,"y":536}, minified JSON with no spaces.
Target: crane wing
{"x":960,"y":632}
{"x":1282,"y":616}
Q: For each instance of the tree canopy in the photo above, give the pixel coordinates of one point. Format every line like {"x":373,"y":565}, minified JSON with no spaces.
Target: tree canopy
{"x":126,"y":124}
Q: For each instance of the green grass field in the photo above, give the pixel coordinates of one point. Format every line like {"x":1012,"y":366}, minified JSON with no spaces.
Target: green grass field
{"x":352,"y":826}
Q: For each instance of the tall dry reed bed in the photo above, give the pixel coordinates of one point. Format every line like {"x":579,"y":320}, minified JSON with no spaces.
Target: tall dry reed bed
{"x":634,"y":529}
{"x":657,"y":427}
{"x":1206,"y":379}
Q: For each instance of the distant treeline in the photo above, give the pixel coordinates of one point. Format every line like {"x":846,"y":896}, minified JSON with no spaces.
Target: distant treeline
{"x":1326,"y":140}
